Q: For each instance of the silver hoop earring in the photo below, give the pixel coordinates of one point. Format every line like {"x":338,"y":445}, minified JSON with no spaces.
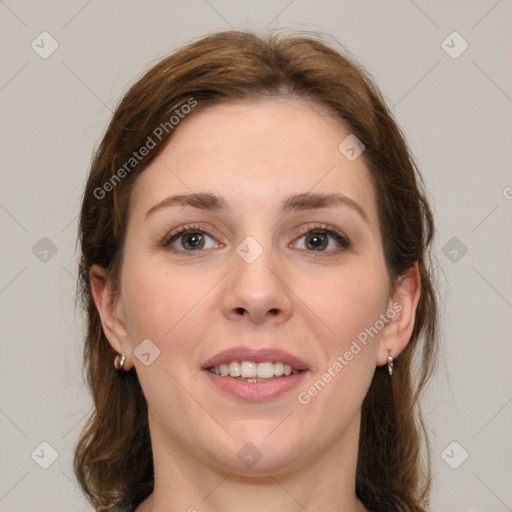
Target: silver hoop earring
{"x":390,"y":365}
{"x":119,"y":361}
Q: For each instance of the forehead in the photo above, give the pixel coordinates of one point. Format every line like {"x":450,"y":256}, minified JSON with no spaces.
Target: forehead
{"x":256,"y":151}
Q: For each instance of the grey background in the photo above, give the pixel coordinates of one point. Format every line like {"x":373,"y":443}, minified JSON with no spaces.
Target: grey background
{"x":456,"y":113}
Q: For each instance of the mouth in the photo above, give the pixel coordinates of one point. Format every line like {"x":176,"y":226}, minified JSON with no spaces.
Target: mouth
{"x":251,"y":371}
{"x":255,"y":374}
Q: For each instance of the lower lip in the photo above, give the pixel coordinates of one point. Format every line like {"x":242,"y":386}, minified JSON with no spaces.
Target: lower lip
{"x":255,"y":391}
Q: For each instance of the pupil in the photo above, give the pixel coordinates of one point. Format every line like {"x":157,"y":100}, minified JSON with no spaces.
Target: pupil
{"x":193,"y":241}
{"x":317,"y":241}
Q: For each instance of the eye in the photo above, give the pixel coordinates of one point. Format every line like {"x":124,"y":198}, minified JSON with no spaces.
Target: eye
{"x":189,"y":238}
{"x":322,"y":239}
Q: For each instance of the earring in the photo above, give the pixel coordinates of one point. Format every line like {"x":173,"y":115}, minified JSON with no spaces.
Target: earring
{"x":119,"y":361}
{"x":390,"y":363}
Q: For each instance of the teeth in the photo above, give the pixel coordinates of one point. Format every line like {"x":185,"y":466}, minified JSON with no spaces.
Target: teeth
{"x":234,"y":369}
{"x":265,"y":370}
{"x":278,"y":369}
{"x":249,"y":371}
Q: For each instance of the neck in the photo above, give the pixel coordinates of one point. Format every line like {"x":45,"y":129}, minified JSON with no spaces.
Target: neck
{"x":183,"y":483}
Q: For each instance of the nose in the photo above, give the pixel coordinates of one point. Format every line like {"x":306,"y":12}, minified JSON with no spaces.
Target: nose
{"x":257,"y":291}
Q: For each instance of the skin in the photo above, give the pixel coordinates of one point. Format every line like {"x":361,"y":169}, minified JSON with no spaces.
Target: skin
{"x":312,"y":303}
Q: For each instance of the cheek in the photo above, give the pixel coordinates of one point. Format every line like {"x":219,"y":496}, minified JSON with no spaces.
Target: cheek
{"x":167,"y":309}
{"x":348,"y":304}
{"x":161,"y":305}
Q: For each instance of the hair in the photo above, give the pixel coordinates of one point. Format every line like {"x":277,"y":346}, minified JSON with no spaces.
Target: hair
{"x":113,"y":459}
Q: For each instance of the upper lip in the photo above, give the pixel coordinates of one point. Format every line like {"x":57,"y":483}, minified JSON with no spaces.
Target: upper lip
{"x":257,"y":355}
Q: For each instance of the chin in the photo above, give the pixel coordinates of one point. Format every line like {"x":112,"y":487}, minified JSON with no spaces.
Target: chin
{"x":261,"y":447}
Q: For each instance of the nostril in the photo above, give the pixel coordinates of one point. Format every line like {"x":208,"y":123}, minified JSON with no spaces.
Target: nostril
{"x":241,"y":311}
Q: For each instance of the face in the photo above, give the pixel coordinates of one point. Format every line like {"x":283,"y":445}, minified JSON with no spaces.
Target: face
{"x":253,"y":238}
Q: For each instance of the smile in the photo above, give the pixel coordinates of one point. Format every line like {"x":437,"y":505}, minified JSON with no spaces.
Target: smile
{"x":255,"y":374}
{"x":251,"y":371}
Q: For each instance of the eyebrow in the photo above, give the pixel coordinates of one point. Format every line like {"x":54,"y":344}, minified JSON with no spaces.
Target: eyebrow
{"x":311,"y":201}
{"x":296,"y":202}
{"x":199,"y":201}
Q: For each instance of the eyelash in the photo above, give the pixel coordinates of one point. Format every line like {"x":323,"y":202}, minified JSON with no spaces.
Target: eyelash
{"x":173,"y":235}
{"x":340,"y":237}
{"x":342,"y":240}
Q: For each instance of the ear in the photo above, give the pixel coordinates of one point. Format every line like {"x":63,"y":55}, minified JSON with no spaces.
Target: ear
{"x":401,"y":314}
{"x":111,"y":311}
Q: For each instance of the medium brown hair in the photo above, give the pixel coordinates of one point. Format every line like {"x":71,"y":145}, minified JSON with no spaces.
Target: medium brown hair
{"x":113,"y":459}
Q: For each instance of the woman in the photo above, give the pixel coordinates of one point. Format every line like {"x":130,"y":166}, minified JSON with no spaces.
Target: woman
{"x":255,"y":268}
